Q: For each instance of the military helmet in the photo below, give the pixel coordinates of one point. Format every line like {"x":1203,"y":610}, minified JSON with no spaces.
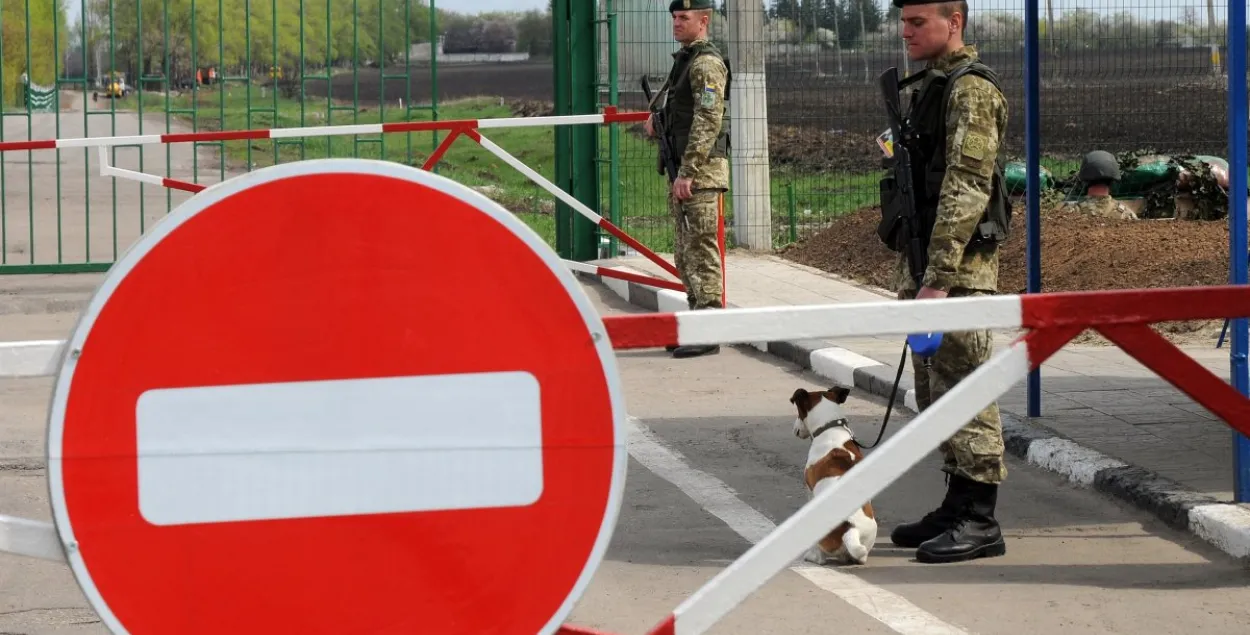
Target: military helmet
{"x":690,"y":5}
{"x":1099,"y":165}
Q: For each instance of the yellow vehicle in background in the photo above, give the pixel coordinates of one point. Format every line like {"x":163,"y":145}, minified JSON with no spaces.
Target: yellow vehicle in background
{"x":114,"y":86}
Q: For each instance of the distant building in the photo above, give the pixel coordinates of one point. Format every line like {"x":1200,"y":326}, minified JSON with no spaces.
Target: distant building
{"x":420,"y":52}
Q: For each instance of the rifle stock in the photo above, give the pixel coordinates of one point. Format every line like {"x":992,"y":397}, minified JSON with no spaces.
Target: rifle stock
{"x":903,"y":204}
{"x":659,"y":123}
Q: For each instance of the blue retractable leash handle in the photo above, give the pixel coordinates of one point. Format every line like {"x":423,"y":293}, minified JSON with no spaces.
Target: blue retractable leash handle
{"x":924,"y":344}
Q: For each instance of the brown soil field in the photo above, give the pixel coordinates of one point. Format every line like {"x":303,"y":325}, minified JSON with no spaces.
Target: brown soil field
{"x":1079,"y":253}
{"x":1161,"y":100}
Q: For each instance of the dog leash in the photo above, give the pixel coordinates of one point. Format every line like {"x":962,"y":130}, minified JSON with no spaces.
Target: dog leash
{"x":889,"y":406}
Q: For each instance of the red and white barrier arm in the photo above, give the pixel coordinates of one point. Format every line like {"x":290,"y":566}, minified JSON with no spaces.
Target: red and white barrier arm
{"x":107,"y":169}
{"x":608,"y":117}
{"x":581,"y":208}
{"x":898,"y":454}
{"x":892,"y":317}
{"x":608,"y":272}
{"x":765,"y":324}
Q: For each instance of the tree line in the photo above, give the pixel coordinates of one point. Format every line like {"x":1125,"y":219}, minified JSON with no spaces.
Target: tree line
{"x":48,"y":37}
{"x":175,"y":38}
{"x":1071,"y":30}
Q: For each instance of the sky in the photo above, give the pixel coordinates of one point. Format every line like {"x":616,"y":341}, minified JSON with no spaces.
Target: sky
{"x":1151,"y":8}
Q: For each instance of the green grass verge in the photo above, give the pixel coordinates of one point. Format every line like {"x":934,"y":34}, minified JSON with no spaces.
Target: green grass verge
{"x":800,"y":200}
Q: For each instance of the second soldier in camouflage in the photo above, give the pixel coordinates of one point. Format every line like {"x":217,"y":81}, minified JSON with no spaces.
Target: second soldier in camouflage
{"x":697,"y":89}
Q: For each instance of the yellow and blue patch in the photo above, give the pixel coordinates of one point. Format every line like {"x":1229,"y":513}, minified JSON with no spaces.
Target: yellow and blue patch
{"x":709,"y":97}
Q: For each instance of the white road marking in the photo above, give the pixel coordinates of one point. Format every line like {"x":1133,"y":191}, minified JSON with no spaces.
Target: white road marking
{"x":717,"y":498}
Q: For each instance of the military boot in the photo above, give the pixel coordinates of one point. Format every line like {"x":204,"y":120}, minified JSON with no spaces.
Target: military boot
{"x":975,"y":533}
{"x":689,"y":350}
{"x":682,"y":352}
{"x":934,"y":523}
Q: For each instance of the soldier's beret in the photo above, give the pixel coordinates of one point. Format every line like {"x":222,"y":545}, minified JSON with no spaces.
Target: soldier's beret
{"x":690,"y":5}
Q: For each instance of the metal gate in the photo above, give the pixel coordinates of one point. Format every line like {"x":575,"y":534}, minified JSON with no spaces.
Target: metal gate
{"x":83,"y":68}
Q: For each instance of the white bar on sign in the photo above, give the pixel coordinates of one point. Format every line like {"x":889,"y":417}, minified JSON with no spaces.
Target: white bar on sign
{"x":339,"y":447}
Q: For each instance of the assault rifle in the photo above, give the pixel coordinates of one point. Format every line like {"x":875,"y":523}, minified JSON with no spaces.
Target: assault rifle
{"x":901,"y":226}
{"x":659,"y":123}
{"x":899,"y":211}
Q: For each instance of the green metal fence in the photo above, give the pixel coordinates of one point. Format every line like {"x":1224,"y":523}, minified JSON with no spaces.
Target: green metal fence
{"x":77,"y":68}
{"x":1115,"y":76}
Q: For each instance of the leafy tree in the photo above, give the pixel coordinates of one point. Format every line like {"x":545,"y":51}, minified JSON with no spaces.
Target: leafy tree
{"x":45,"y":16}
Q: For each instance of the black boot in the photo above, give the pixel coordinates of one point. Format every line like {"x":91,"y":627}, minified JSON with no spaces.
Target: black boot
{"x":934,"y":523}
{"x":682,"y":352}
{"x":694,"y":351}
{"x":975,"y":534}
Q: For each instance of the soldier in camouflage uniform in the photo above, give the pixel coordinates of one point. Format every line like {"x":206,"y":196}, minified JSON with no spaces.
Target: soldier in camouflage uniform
{"x":963,"y":527}
{"x":1099,"y":170}
{"x":697,"y":88}
{"x":1104,"y":206}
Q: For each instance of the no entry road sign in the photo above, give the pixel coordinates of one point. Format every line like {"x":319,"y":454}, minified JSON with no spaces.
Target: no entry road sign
{"x":337,"y":396}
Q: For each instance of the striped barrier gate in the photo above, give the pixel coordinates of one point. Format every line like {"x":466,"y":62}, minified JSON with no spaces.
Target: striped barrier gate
{"x":470,"y":128}
{"x":1050,"y":320}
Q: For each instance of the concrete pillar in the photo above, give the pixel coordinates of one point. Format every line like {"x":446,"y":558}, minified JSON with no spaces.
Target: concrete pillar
{"x":748,"y":110}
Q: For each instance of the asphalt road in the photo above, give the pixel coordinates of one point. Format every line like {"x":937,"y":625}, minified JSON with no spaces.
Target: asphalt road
{"x":1076,"y":561}
{"x":714,"y":467}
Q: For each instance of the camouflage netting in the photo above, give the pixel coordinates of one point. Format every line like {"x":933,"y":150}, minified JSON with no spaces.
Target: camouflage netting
{"x":1182,"y":186}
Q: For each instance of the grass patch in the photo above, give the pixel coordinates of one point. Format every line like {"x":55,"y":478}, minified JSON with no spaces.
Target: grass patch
{"x":800,"y":200}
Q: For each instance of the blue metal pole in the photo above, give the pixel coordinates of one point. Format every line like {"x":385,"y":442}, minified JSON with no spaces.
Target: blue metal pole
{"x":1033,"y":183}
{"x":1238,"y":248}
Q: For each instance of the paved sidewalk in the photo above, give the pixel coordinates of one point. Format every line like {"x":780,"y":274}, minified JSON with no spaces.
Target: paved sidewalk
{"x":1096,"y":396}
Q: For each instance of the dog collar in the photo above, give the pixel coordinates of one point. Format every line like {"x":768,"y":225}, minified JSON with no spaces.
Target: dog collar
{"x":836,"y":423}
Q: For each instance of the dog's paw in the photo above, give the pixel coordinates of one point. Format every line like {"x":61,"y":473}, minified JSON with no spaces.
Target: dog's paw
{"x":815,"y":556}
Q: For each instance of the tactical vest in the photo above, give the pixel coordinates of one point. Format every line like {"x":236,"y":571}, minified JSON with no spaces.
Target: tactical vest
{"x":680,"y":105}
{"x":926,"y":120}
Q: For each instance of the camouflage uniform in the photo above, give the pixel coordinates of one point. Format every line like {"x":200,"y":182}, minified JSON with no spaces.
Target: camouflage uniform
{"x":963,"y":527}
{"x":1104,"y":207}
{"x":696,"y":219}
{"x":976,"y":125}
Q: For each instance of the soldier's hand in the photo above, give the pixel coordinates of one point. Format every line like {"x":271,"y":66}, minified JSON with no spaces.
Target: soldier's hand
{"x":649,"y":127}
{"x":927,"y":293}
{"x":681,"y":188}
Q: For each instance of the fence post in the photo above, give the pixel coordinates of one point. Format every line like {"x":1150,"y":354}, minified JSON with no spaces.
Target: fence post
{"x":614,"y":130}
{"x":748,"y":115}
{"x":576,"y":88}
{"x":1238,"y":247}
{"x":1033,"y":193}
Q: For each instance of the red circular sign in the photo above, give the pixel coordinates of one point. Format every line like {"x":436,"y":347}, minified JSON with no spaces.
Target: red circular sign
{"x":311,"y":401}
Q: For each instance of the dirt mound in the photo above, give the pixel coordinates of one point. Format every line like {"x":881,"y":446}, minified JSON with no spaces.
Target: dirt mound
{"x":819,"y":149}
{"x":531,"y":108}
{"x":1079,"y":253}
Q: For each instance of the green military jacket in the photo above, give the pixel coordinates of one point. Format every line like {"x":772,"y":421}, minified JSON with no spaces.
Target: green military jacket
{"x":976,"y":126}
{"x":696,"y":108}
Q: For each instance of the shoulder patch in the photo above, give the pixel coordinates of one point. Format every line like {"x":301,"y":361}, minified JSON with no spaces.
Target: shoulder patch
{"x":975,"y":145}
{"x":709,"y":97}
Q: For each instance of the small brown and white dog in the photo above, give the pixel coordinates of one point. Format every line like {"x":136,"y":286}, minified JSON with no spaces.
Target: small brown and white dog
{"x":833,"y":453}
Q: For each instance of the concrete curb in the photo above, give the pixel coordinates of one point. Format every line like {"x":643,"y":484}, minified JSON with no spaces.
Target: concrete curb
{"x":1224,"y":525}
